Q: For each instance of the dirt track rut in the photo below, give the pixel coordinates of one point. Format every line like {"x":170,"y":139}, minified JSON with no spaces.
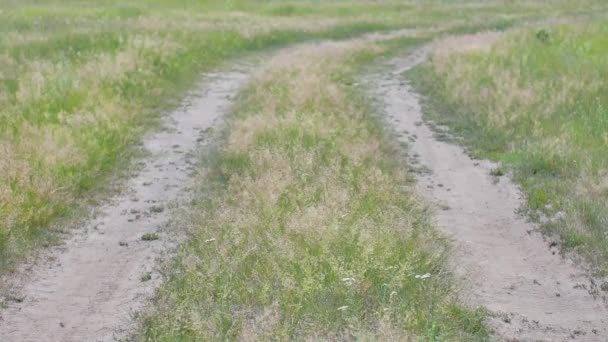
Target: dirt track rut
{"x":504,"y":264}
{"x":91,"y":285}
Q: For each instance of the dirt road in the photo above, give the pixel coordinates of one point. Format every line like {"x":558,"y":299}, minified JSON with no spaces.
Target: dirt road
{"x":91,"y":285}
{"x":505,"y":266}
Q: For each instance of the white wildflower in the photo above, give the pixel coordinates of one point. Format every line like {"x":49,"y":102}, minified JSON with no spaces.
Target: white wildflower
{"x":348,"y":281}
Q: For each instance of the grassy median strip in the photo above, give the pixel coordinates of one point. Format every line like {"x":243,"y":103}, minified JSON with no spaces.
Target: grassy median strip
{"x":535,"y":99}
{"x":306,"y":226}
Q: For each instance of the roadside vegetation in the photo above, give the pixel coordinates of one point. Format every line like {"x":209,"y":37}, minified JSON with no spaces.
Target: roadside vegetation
{"x":536,"y":99}
{"x":306,"y":226}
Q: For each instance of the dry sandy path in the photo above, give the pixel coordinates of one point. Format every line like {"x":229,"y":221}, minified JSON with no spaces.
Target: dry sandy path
{"x":504,"y":265}
{"x":92,"y":284}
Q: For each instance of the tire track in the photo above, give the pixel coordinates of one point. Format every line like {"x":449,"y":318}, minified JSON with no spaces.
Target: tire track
{"x":98,"y":278}
{"x":504,"y":264}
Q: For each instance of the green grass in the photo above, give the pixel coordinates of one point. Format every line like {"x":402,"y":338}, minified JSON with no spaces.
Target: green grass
{"x":305,"y":227}
{"x":150,"y":237}
{"x":536,"y":100}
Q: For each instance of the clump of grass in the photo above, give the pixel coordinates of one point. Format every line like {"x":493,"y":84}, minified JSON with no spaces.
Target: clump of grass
{"x":150,"y":237}
{"x":146,"y":277}
{"x":497,"y":171}
{"x":302,"y":230}
{"x":535,"y":100}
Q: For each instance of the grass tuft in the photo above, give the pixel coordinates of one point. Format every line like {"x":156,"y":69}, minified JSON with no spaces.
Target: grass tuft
{"x":150,"y":237}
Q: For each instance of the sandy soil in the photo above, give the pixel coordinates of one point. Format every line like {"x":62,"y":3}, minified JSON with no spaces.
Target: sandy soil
{"x":504,"y":264}
{"x":91,"y":285}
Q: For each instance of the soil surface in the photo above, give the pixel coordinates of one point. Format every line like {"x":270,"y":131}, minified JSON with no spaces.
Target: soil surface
{"x":533,"y":293}
{"x":91,"y":286}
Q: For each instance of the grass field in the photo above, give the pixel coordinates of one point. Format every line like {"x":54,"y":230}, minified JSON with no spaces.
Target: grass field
{"x":80,"y":81}
{"x":536,"y":100}
{"x":305,"y":226}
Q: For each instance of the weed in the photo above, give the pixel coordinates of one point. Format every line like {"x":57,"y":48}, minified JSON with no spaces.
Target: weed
{"x":150,"y":237}
{"x":542,"y":35}
{"x":146,"y":277}
{"x":497,"y":171}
